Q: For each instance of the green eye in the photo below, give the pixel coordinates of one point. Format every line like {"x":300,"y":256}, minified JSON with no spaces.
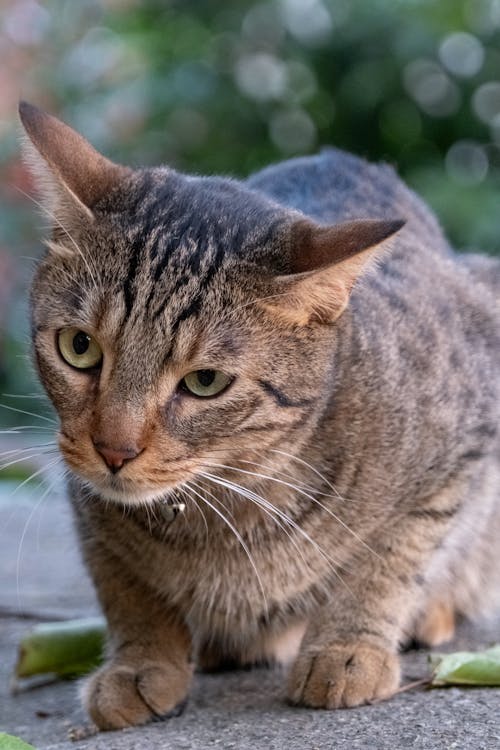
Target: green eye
{"x":79,"y":349}
{"x":204,"y":383}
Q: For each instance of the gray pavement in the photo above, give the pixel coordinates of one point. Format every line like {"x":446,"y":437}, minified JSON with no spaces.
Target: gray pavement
{"x":43,"y":578}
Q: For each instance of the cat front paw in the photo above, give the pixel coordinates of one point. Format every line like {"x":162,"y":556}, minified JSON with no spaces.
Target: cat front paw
{"x":343,"y":675}
{"x":119,"y":695}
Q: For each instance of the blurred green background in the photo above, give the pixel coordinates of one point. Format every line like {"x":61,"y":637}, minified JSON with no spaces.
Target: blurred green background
{"x":231,"y":86}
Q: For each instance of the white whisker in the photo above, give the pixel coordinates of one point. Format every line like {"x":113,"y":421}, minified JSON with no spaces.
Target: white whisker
{"x":24,"y":395}
{"x":203,"y":489}
{"x":50,"y":487}
{"x":26,"y":525}
{"x":27,"y":458}
{"x":29,"y":413}
{"x":312,"y":468}
{"x":187,"y":495}
{"x":258,"y":299}
{"x":26,"y":428}
{"x":309,"y":496}
{"x":238,"y":537}
{"x":259,"y":500}
{"x":27,"y":450}
{"x":270,"y":512}
{"x":36,"y":474}
{"x":54,"y":218}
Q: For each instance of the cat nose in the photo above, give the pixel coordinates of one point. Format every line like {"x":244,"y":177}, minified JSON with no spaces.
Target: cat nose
{"x":115,"y":456}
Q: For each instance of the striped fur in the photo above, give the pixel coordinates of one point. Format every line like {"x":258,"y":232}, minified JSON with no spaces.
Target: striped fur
{"x":365,"y":447}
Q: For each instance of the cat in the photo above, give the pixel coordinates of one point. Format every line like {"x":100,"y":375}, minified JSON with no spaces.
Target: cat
{"x":278,"y":403}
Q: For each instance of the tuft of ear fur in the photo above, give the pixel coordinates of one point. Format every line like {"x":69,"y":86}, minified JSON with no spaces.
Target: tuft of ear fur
{"x":71,"y":175}
{"x":325,"y":263}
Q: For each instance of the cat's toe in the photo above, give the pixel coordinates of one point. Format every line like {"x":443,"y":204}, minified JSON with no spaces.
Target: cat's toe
{"x":343,"y":676}
{"x":119,"y":696}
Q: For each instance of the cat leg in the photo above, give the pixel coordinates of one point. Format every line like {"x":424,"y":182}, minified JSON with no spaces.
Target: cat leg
{"x":212,"y":657}
{"x":148,"y":672}
{"x":437,"y":625}
{"x":343,"y":667}
{"x":268,"y":648}
{"x":349,"y":655}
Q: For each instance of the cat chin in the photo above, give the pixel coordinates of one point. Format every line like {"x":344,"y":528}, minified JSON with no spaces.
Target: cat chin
{"x":132,"y":497}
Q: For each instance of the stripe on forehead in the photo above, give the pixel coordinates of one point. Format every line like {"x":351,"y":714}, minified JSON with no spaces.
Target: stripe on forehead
{"x":170,"y":230}
{"x":184,"y":228}
{"x":193,"y":306}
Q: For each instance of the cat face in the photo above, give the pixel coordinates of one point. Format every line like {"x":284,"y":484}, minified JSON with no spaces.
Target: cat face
{"x":150,"y":341}
{"x":181,"y":325}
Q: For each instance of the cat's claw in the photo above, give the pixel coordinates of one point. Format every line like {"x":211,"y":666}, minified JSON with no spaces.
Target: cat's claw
{"x":119,"y":696}
{"x":343,"y":676}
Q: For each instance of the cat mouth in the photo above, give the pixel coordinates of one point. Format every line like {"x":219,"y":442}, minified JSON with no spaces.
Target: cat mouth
{"x":118,"y":488}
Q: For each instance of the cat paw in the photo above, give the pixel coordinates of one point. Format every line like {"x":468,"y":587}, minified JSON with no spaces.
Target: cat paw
{"x":119,"y":695}
{"x":343,"y":675}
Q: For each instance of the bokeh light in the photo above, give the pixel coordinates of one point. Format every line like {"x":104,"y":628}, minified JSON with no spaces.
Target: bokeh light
{"x":462,"y":54}
{"x":230,"y":87}
{"x":467,"y":162}
{"x":486,"y":102}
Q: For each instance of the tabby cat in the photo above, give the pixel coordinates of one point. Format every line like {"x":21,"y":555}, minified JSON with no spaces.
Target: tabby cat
{"x":278,"y":402}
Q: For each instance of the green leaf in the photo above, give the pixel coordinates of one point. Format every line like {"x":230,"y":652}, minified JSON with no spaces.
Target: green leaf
{"x":467,"y":668}
{"x":8,"y":742}
{"x":66,"y":649}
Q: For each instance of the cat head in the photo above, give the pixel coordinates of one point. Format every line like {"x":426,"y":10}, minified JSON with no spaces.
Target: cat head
{"x":180,"y":324}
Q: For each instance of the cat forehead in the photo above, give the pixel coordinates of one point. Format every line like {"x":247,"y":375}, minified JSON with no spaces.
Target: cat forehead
{"x":164,"y":257}
{"x":171,"y":244}
{"x":167,"y":256}
{"x":185,"y":212}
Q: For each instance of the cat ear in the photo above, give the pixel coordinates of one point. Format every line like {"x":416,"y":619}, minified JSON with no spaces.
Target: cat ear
{"x":325,"y":264}
{"x":71,"y":174}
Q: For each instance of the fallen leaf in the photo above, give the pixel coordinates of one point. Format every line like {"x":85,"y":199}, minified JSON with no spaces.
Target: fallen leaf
{"x":467,"y":668}
{"x":66,"y":649}
{"x":9,"y":742}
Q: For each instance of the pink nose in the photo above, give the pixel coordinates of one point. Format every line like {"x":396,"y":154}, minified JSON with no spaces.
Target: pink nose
{"x":115,"y":456}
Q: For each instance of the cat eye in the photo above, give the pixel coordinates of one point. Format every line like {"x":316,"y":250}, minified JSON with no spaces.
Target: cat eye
{"x":205,"y":383}
{"x":79,"y":349}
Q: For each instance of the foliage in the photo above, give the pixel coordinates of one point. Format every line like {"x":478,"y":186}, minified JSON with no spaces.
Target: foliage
{"x":65,"y":649}
{"x":214,"y":87}
{"x":9,"y":742}
{"x":464,"y":668}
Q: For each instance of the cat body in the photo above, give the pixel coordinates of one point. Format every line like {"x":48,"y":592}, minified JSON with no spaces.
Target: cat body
{"x":341,"y":487}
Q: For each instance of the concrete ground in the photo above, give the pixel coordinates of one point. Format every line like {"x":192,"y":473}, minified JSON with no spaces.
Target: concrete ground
{"x":41,"y":577}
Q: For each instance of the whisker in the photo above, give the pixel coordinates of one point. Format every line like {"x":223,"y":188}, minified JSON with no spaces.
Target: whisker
{"x":27,"y":450}
{"x":36,"y":474}
{"x":26,"y":525}
{"x":238,"y":537}
{"x":297,"y":482}
{"x":270,"y":467}
{"x":25,"y":428}
{"x":29,"y":413}
{"x":26,"y":458}
{"x":272,"y":515}
{"x":186,"y":495}
{"x":58,"y":479}
{"x":258,"y":299}
{"x":203,"y":489}
{"x":308,"y":496}
{"x":312,"y":468}
{"x":145,"y":506}
{"x":25,"y":395}
{"x":54,"y":218}
{"x":258,"y":500}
